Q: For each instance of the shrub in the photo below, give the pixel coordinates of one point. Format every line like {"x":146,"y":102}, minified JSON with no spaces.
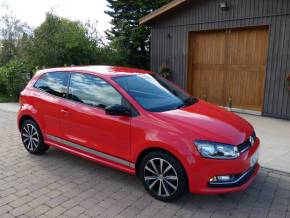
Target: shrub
{"x":2,"y":86}
{"x":14,"y":76}
{"x":165,"y":72}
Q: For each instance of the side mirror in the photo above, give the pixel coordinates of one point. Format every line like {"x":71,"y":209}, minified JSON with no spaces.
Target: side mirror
{"x":118,"y":110}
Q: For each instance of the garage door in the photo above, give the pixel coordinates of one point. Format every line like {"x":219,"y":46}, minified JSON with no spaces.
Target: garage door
{"x":228,"y":67}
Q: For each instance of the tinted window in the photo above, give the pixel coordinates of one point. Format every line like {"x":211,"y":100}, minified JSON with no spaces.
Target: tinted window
{"x":154,"y":93}
{"x":93,"y":91}
{"x":54,"y":83}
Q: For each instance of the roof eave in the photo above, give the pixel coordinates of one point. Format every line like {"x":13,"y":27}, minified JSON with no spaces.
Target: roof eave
{"x":161,"y":11}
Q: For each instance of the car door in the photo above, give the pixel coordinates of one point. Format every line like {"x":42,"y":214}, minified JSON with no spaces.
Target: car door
{"x":84,"y":122}
{"x":48,"y":99}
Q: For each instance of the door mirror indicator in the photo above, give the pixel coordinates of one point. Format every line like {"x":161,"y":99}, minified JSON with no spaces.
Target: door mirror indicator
{"x":118,"y":110}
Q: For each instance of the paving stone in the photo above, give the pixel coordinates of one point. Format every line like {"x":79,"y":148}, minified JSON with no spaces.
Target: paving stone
{"x":56,"y":211}
{"x":95,"y":211}
{"x":38,"y":201}
{"x":20,"y":210}
{"x":7,"y":199}
{"x":4,"y":209}
{"x":38,"y":211}
{"x":20,"y":201}
{"x":131,"y":212}
{"x":75,"y":211}
{"x":57,"y":201}
{"x":7,"y":215}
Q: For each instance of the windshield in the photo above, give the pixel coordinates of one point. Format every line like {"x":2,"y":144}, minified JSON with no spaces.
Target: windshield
{"x":154,"y":93}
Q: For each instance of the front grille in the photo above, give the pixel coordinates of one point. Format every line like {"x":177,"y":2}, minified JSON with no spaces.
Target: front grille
{"x":247,"y":144}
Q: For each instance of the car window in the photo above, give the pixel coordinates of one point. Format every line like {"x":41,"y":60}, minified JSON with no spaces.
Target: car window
{"x":93,"y":91}
{"x":154,"y":93}
{"x":54,"y":83}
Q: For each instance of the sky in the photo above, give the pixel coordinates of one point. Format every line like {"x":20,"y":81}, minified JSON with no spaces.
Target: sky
{"x":33,"y":11}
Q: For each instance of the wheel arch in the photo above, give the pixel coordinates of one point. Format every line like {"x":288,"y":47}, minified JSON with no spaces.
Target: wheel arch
{"x":24,"y":118}
{"x":153,"y":149}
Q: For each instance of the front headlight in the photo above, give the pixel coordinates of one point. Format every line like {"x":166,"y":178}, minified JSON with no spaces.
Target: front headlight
{"x":216,"y":150}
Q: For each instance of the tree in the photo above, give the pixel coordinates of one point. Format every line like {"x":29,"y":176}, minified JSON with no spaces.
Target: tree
{"x":59,"y":41}
{"x":12,"y":30}
{"x":130,"y":40}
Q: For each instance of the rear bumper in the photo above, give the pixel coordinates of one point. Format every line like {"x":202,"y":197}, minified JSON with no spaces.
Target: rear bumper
{"x":204,"y":169}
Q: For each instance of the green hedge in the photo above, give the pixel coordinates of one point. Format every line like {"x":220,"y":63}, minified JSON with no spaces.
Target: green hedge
{"x":13,"y":78}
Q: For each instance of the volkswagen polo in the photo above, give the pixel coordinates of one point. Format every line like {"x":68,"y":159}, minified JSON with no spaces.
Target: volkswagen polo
{"x":138,"y":122}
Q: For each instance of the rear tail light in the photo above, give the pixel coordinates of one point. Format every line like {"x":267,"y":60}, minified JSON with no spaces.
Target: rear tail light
{"x":20,"y":99}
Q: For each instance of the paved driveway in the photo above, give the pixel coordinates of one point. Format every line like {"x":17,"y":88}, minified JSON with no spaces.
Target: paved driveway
{"x":59,"y":184}
{"x":275,"y":141}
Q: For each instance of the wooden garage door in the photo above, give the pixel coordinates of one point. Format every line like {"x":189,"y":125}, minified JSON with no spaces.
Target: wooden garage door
{"x":228,"y":67}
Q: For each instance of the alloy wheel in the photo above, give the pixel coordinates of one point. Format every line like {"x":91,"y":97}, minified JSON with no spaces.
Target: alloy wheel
{"x":30,"y":137}
{"x":161,"y":177}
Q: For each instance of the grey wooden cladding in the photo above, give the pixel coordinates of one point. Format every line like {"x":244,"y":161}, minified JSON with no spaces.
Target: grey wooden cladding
{"x":170,"y":41}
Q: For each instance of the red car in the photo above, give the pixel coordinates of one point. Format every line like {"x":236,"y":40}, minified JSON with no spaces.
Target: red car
{"x":138,"y":122}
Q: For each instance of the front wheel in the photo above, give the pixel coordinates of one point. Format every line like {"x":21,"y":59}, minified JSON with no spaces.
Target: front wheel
{"x":32,"y":138}
{"x":163,"y":176}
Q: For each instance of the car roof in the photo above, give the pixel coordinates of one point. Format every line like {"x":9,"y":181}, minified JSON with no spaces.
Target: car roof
{"x":105,"y":71}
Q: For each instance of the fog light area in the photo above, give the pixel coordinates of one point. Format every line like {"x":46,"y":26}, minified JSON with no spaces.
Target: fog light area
{"x":225,"y":178}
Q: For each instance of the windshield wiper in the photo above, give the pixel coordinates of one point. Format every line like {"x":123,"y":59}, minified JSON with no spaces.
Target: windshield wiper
{"x":187,"y":102}
{"x":180,"y":106}
{"x":190,"y":101}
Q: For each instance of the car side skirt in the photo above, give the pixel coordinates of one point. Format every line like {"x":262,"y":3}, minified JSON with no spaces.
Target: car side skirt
{"x":90,"y":154}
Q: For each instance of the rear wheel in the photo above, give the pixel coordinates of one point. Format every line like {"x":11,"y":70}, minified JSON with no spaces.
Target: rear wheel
{"x":163,"y":176}
{"x":32,"y":138}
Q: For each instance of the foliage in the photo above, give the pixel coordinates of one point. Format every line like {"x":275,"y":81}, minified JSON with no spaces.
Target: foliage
{"x":14,"y":76}
{"x":12,"y":30}
{"x":130,"y":40}
{"x":165,"y":71}
{"x":59,"y":41}
{"x":2,"y":85}
{"x":13,"y":39}
{"x":56,"y":42}
{"x":62,"y":42}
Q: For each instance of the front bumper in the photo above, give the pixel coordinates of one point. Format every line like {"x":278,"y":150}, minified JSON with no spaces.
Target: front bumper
{"x":239,"y":180}
{"x":204,"y":169}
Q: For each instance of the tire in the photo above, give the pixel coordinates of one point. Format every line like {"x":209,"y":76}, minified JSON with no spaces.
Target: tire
{"x":168,"y":184}
{"x":32,"y":138}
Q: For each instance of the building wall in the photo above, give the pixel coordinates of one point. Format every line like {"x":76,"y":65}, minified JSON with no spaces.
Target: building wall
{"x":170,"y":41}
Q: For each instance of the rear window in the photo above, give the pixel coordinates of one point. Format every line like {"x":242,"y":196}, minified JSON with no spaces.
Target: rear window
{"x":54,"y":83}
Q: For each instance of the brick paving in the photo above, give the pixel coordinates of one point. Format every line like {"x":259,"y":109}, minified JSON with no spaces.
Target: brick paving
{"x":61,"y":185}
